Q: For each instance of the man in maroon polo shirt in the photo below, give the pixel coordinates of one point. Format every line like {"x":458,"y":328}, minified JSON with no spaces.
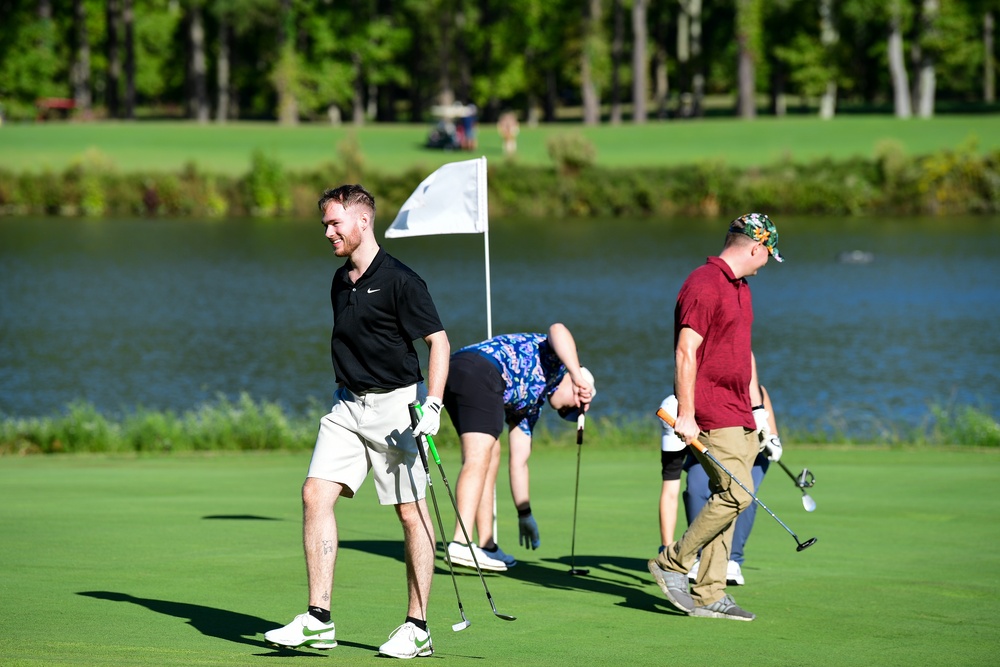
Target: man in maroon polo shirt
{"x":719,"y":402}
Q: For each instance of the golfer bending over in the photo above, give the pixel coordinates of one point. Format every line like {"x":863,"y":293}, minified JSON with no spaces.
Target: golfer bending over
{"x":507,"y":378}
{"x":715,"y":381}
{"x":379,"y":308}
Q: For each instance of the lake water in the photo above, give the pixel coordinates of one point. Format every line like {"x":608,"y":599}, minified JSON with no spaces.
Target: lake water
{"x":169,"y":314}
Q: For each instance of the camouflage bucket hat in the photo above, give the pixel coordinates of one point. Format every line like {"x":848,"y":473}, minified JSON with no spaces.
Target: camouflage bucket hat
{"x":760,"y":228}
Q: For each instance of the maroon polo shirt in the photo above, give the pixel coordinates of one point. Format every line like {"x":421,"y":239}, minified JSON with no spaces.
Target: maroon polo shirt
{"x":716,"y":305}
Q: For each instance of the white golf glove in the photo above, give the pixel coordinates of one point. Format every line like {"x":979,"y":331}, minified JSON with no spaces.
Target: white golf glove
{"x":430,"y":422}
{"x":760,"y":416}
{"x":669,"y":442}
{"x":772,"y":448}
{"x":529,"y":532}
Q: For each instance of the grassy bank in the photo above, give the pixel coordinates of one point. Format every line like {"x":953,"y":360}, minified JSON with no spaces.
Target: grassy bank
{"x":245,"y":424}
{"x":226,"y":150}
{"x":784,"y":166}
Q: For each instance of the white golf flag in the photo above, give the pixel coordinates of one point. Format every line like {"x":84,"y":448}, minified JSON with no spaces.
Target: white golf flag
{"x":452,"y":200}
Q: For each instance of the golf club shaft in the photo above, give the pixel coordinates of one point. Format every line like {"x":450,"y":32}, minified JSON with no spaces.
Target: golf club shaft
{"x":465,"y":533}
{"x":790,"y":473}
{"x":665,"y":416}
{"x":576,"y":493}
{"x":414,"y":418}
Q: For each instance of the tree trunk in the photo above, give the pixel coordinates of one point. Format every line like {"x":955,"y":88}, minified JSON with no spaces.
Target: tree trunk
{"x":198,"y":102}
{"x":551,"y":95}
{"x":617,"y":43}
{"x":128,"y":21}
{"x":747,"y":31}
{"x":927,"y":76}
{"x":358,"y":98}
{"x":828,"y":38}
{"x":989,"y":74}
{"x":112,"y":13}
{"x":222,"y":72}
{"x":897,"y":66}
{"x":286,"y":73}
{"x":588,"y":87}
{"x":640,"y":68}
{"x":81,"y":66}
{"x":446,"y":90}
{"x":697,"y":96}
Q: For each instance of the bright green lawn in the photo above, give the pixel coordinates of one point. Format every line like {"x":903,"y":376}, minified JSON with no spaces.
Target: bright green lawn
{"x":394,"y":148}
{"x":186,"y":560}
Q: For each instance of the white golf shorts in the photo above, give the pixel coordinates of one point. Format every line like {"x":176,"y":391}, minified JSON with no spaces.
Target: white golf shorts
{"x":371,"y":432}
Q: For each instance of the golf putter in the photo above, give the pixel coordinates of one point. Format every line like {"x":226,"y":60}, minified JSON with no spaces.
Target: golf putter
{"x":573,"y":570}
{"x":465,"y":533}
{"x":804,"y":481}
{"x":665,"y":416}
{"x":457,"y":627}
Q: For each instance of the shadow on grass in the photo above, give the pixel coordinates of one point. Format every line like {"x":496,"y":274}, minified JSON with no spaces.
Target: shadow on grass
{"x":240,"y":517}
{"x":617,"y":576}
{"x":219,"y":623}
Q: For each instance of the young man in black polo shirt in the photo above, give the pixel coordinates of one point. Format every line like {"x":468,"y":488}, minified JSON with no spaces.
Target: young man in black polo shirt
{"x":380,"y":307}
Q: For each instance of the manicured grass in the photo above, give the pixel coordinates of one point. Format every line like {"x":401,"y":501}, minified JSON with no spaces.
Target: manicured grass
{"x":187,"y":559}
{"x":167,"y":146}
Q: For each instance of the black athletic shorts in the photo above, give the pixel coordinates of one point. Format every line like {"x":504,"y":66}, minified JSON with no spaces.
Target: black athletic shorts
{"x":473,"y":395}
{"x":672,"y":463}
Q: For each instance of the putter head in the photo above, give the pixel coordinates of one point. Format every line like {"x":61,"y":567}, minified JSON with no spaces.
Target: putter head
{"x":579,"y":571}
{"x":805,"y":545}
{"x":458,"y":627}
{"x":504,"y":617}
{"x":806,"y":479}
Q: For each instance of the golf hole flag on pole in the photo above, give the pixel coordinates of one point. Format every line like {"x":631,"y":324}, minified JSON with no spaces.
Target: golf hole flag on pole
{"x":452,"y":200}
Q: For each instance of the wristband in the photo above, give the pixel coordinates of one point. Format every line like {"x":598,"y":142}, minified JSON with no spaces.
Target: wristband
{"x":525,"y":512}
{"x":757,"y":407}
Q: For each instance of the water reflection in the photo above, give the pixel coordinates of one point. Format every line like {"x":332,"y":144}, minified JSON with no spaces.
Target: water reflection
{"x":167,"y":314}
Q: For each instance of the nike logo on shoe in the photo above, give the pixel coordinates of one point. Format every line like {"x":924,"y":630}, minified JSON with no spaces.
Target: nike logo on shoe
{"x":421,"y":644}
{"x":312,"y":633}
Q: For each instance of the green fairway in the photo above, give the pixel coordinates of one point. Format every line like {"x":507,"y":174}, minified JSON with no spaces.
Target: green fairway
{"x":167,"y":146}
{"x":187,"y":560}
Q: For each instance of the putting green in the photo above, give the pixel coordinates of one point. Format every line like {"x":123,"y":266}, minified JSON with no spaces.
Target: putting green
{"x":187,"y":560}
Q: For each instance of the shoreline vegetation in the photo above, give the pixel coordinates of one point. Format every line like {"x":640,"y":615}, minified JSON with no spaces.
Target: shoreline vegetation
{"x":956,"y":181}
{"x":246,"y":424}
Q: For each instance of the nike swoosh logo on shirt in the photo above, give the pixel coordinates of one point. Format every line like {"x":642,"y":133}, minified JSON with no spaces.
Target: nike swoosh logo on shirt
{"x":372,"y":291}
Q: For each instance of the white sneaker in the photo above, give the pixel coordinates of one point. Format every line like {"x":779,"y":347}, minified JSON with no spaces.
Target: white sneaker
{"x":693,"y":572}
{"x":461,"y":554}
{"x":734,"y":575}
{"x":497,"y":553}
{"x":305,"y":631}
{"x":408,"y":641}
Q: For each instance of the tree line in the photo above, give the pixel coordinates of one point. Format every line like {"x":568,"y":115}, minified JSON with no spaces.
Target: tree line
{"x":395,"y":60}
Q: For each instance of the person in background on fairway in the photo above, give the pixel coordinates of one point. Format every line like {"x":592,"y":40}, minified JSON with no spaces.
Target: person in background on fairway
{"x":507,"y":378}
{"x":380,"y":307}
{"x":715,"y":382}
{"x":674,"y":458}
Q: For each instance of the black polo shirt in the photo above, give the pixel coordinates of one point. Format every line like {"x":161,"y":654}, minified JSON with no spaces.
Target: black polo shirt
{"x":375,"y":322}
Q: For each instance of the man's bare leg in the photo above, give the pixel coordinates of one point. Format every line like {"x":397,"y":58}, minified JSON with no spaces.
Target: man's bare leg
{"x":319,"y":537}
{"x":418,"y":536}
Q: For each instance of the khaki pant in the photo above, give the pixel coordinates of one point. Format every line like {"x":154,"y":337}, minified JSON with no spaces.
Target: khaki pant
{"x":711,"y":532}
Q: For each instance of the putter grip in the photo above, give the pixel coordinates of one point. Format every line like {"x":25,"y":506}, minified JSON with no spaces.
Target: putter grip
{"x":416,"y":413}
{"x":665,"y":416}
